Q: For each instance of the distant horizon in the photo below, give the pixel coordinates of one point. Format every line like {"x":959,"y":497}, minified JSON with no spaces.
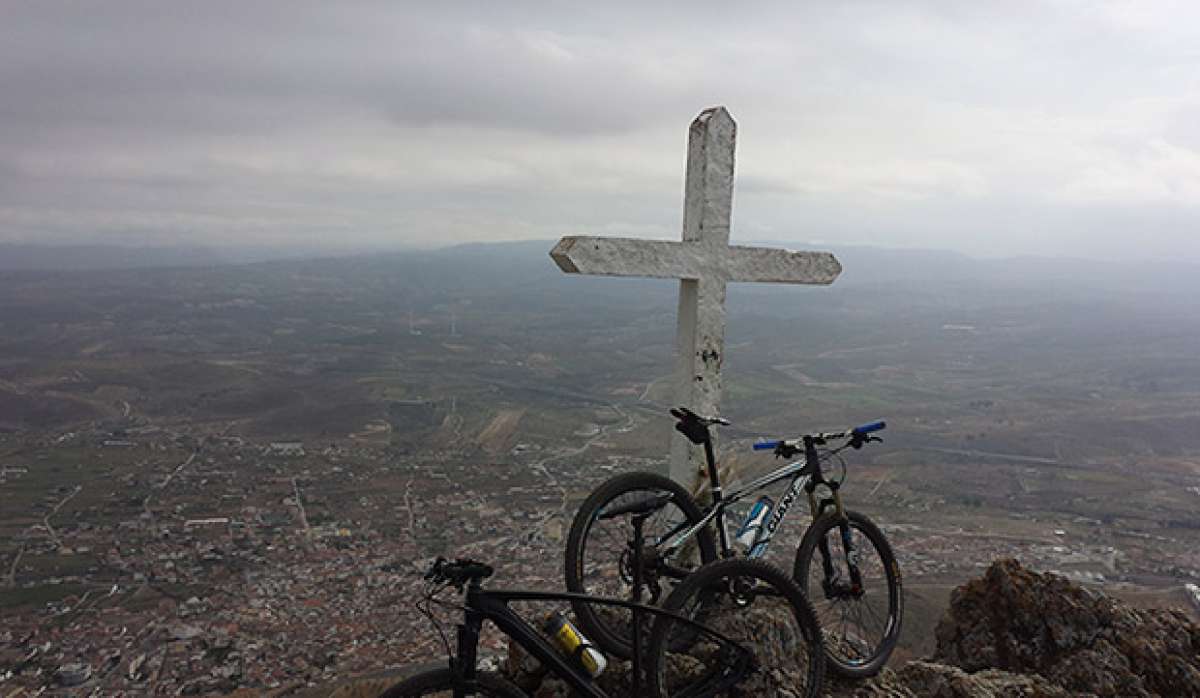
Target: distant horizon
{"x":257,"y":253}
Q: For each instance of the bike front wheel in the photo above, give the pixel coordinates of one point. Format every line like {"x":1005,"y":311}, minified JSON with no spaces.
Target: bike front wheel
{"x":440,"y":682}
{"x":860,"y":620}
{"x":599,"y":555}
{"x":762,"y":611}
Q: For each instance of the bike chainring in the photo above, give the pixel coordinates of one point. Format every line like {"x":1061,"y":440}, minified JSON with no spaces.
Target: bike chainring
{"x":651,"y":564}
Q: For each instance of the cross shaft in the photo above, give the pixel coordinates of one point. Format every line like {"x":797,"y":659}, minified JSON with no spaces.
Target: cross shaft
{"x":704,"y":263}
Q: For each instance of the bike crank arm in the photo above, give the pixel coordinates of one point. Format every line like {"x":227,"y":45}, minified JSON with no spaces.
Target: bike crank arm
{"x":666,"y":569}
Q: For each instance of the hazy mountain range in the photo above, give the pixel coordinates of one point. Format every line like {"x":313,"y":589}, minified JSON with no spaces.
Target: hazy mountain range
{"x":527,"y":261}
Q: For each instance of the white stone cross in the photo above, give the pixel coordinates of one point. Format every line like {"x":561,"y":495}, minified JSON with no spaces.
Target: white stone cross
{"x":704,"y":262}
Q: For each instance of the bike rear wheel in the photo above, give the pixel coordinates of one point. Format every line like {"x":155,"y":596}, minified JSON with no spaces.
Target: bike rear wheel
{"x":599,"y":554}
{"x":756,"y":605}
{"x":862,"y":625}
{"x":440,"y":683}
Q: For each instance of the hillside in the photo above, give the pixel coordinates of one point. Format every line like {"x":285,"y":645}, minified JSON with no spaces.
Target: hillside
{"x":241,"y":434}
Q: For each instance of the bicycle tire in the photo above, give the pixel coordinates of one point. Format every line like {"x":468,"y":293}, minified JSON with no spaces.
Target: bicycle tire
{"x":794,"y":668}
{"x":438,"y":681}
{"x":834,"y":613}
{"x":603,"y":627}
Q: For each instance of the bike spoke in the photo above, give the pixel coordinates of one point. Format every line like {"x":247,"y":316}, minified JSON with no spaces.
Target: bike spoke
{"x":855,"y":627}
{"x":607,"y":553}
{"x":764,"y":622}
{"x":879,"y":622}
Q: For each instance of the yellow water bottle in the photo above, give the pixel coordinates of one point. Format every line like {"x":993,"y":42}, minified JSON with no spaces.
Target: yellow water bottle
{"x":570,"y":640}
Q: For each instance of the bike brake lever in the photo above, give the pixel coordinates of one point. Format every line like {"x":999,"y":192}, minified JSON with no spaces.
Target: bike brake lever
{"x":785,"y":451}
{"x":858,"y":440}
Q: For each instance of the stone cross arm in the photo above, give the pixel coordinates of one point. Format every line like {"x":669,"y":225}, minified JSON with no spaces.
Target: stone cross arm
{"x":692,"y":260}
{"x":705,"y":263}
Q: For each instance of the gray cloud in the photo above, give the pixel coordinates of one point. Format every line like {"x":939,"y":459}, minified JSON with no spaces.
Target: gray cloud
{"x":1015,"y":128}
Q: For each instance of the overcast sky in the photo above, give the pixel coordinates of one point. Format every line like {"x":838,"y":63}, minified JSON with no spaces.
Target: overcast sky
{"x":1048,"y":128}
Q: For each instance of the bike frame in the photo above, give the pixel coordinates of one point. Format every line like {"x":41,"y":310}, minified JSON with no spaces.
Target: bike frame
{"x":806,"y":475}
{"x":493,"y":606}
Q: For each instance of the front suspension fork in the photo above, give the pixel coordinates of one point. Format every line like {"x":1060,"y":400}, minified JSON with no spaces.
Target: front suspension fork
{"x":463,"y":665}
{"x":851,"y":551}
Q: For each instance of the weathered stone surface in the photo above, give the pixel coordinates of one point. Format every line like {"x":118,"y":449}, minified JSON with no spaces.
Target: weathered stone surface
{"x":1025,"y":622}
{"x":929,"y":680}
{"x":704,"y":262}
{"x":665,"y":259}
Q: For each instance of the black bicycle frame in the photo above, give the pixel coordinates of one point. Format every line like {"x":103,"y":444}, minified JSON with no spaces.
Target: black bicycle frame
{"x":806,"y":476}
{"x":482,"y":604}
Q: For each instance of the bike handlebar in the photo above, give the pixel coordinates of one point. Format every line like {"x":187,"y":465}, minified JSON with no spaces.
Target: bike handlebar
{"x":857,"y":434}
{"x":458,"y":572}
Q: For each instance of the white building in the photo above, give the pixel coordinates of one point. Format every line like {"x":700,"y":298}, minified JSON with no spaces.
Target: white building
{"x":1194,"y":592}
{"x":286,"y":448}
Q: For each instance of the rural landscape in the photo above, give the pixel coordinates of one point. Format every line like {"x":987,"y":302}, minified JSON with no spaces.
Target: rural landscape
{"x":300,"y":299}
{"x":227,"y":477}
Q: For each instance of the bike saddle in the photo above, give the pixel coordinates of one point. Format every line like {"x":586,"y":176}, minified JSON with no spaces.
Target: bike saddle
{"x":693,"y":425}
{"x":683,"y":413}
{"x":459,"y":572}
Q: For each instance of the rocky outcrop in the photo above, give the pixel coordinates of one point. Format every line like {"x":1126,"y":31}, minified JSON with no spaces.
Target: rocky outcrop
{"x":1023,"y":622}
{"x":930,"y":680}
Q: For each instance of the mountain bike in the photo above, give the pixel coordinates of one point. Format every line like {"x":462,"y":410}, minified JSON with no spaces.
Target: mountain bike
{"x":844,"y":563}
{"x":710,"y":647}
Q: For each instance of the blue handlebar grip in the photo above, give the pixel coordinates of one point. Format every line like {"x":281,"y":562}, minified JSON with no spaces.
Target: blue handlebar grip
{"x":868,"y":428}
{"x":765,"y":445}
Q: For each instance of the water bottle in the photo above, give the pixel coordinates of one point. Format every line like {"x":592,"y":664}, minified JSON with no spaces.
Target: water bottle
{"x":572,"y":643}
{"x":748,"y":533}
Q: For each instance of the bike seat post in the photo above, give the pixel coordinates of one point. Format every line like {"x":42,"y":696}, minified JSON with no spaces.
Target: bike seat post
{"x":710,"y":459}
{"x":639,"y":544}
{"x":715,"y":492}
